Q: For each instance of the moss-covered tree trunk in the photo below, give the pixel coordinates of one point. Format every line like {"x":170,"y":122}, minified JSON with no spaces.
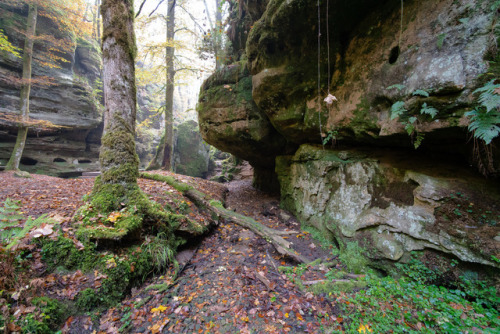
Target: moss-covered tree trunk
{"x":24,"y":102}
{"x":169,"y":91}
{"x":118,"y":208}
{"x":119,"y":161}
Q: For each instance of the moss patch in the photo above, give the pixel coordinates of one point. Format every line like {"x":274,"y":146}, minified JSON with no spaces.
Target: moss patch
{"x":122,"y":271}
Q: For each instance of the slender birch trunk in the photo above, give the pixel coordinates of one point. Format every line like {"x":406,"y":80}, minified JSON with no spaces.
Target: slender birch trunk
{"x":24,"y":108}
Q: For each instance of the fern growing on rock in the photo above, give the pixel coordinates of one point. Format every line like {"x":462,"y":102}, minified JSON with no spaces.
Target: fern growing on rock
{"x":485,"y":119}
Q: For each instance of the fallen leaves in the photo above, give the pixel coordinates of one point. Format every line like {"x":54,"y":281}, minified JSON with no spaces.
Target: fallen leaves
{"x":158,"y":309}
{"x":114,"y":216}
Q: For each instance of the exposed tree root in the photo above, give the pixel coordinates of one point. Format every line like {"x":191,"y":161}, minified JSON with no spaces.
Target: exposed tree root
{"x":272,"y":236}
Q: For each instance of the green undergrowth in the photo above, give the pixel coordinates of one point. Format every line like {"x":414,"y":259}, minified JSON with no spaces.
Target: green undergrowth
{"x":45,"y":319}
{"x":354,"y":258}
{"x":409,"y":305}
{"x":11,"y":231}
{"x":411,"y":300}
{"x":119,"y":271}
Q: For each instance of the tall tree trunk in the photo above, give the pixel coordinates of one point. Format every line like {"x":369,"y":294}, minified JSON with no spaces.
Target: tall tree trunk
{"x":169,"y":91}
{"x":218,"y":34}
{"x":94,"y":20}
{"x":24,"y":107}
{"x":119,"y":161}
{"x":98,"y":19}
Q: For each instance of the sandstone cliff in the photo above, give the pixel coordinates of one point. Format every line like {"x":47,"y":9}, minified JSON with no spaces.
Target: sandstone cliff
{"x":375,"y":57}
{"x":72,"y":103}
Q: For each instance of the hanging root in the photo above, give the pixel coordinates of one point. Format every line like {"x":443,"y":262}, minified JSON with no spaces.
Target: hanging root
{"x":482,"y":156}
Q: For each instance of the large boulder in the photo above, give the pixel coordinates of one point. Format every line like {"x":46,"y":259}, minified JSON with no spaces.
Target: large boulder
{"x":392,"y":204}
{"x":72,"y":103}
{"x":230,"y":121}
{"x":437,"y":58}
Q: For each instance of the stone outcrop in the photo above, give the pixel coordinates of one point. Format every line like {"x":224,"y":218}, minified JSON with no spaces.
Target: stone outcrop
{"x":72,"y":104}
{"x":374,"y":56}
{"x":391,"y":208}
{"x":230,"y":120}
{"x":191,"y":153}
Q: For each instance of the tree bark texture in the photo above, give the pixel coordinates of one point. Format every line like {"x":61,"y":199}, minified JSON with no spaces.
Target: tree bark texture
{"x":24,"y":101}
{"x":119,"y":161}
{"x":169,"y":91}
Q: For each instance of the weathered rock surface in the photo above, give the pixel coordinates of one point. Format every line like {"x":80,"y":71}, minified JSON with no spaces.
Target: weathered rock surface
{"x":443,"y":49}
{"x":230,"y":120}
{"x":191,"y":153}
{"x":72,"y":103}
{"x":390,"y":205}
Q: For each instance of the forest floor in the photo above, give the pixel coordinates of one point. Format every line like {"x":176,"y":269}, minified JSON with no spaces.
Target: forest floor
{"x":229,"y":280}
{"x":230,"y":283}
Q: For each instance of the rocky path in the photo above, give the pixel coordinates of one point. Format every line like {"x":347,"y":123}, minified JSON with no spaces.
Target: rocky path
{"x":232,"y":284}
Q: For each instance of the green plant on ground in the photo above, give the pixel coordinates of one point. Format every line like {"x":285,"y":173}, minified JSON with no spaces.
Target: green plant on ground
{"x":354,"y":257}
{"x":294,"y":273}
{"x":120,"y":271}
{"x":406,"y":306}
{"x":11,"y":231}
{"x":410,"y":305}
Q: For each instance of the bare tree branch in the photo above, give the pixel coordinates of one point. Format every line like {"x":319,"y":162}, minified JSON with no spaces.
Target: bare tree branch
{"x":154,"y":10}
{"x":181,"y":29}
{"x":140,"y":8}
{"x":192,"y":18}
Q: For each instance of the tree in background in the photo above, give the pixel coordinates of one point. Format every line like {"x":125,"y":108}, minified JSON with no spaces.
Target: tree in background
{"x":68,"y":17}
{"x":214,"y":40}
{"x":24,"y":100}
{"x":164,"y":154}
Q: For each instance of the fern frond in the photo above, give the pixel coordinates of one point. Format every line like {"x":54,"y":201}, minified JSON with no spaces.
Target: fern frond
{"x":421,"y":92}
{"x":28,"y":225}
{"x":428,"y":110}
{"x":397,"y":86}
{"x":397,"y":109}
{"x":489,"y":98}
{"x":484,"y":124}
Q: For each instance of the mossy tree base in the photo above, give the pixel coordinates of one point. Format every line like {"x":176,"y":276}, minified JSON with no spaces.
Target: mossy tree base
{"x":117,"y":211}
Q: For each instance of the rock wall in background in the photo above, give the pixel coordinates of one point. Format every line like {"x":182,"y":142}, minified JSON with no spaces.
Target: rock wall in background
{"x":191,"y":153}
{"x":72,"y":103}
